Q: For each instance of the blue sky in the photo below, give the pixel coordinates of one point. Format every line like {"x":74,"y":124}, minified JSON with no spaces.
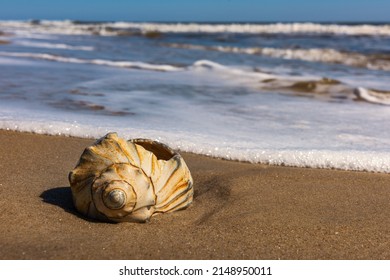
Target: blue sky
{"x":198,"y":10}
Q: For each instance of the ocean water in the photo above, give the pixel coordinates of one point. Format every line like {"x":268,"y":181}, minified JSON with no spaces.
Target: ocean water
{"x":295,"y":94}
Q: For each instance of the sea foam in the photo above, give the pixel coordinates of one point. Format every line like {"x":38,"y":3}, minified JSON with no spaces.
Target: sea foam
{"x":257,"y":128}
{"x":232,"y":148}
{"x":252,"y":108}
{"x":267,"y":81}
{"x":121,"y":64}
{"x":314,"y":54}
{"x":52,"y":45}
{"x":117,"y":28}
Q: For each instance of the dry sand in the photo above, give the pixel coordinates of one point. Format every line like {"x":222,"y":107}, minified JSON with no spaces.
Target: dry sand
{"x":240,"y":211}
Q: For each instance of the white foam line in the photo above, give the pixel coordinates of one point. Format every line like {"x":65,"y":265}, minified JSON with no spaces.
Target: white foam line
{"x":248,"y":77}
{"x":280,"y":81}
{"x":121,"y":64}
{"x":222,"y":69}
{"x":53,"y":46}
{"x":67,"y":27}
{"x":324,"y":159}
{"x":200,"y":64}
{"x":243,"y":75}
{"x":315,"y":54}
{"x":373,"y":96}
{"x":289,"y":28}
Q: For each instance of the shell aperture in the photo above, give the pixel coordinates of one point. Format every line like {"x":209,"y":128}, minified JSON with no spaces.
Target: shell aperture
{"x":119,"y":180}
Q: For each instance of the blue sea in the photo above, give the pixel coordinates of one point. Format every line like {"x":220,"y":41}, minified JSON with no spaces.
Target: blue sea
{"x":295,"y":94}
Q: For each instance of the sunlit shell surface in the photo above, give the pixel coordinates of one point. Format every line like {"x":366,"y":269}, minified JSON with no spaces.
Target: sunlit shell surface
{"x":130,"y":181}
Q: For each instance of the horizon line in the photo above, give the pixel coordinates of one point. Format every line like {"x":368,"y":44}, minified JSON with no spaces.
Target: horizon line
{"x":206,"y":21}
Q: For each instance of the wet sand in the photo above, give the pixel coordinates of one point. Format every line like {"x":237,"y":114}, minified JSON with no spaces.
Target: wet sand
{"x":240,"y":211}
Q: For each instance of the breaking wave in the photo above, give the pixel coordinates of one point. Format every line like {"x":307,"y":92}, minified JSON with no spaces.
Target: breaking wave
{"x":373,"y":96}
{"x":52,"y":46}
{"x":375,"y":62}
{"x":121,"y":64}
{"x":299,"y":85}
{"x":124,"y":28}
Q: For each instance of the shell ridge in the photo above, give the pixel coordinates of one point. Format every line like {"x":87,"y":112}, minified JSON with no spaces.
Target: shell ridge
{"x":157,"y":171}
{"x":177,"y":193}
{"x":120,"y":148}
{"x":166,"y":197}
{"x":108,"y":146}
{"x":79,"y":185}
{"x":112,"y":165}
{"x":92,"y":151}
{"x":145,"y":158}
{"x":172,"y":175}
{"x":152,"y":162}
{"x":133,"y":149}
{"x":128,"y":156}
{"x":161,"y":181}
{"x":184,"y":204}
{"x":138,"y":152}
{"x":178,"y":165}
{"x":87,"y":167}
{"x":95,"y":150}
{"x":153,"y":191}
{"x":182,"y":201}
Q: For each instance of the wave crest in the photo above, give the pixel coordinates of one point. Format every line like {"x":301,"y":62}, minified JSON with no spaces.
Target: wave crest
{"x":373,"y":96}
{"x":123,"y":28}
{"x":322,"y":88}
{"x":374,"y":62}
{"x":53,"y":46}
{"x":121,"y":64}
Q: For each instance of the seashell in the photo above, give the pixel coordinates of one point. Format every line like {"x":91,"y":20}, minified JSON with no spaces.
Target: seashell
{"x":130,"y":181}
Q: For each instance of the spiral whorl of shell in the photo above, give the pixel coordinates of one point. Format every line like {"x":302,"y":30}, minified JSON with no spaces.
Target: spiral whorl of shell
{"x":119,"y":180}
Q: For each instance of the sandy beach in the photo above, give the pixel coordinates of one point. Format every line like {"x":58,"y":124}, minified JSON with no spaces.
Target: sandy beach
{"x":240,"y":211}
